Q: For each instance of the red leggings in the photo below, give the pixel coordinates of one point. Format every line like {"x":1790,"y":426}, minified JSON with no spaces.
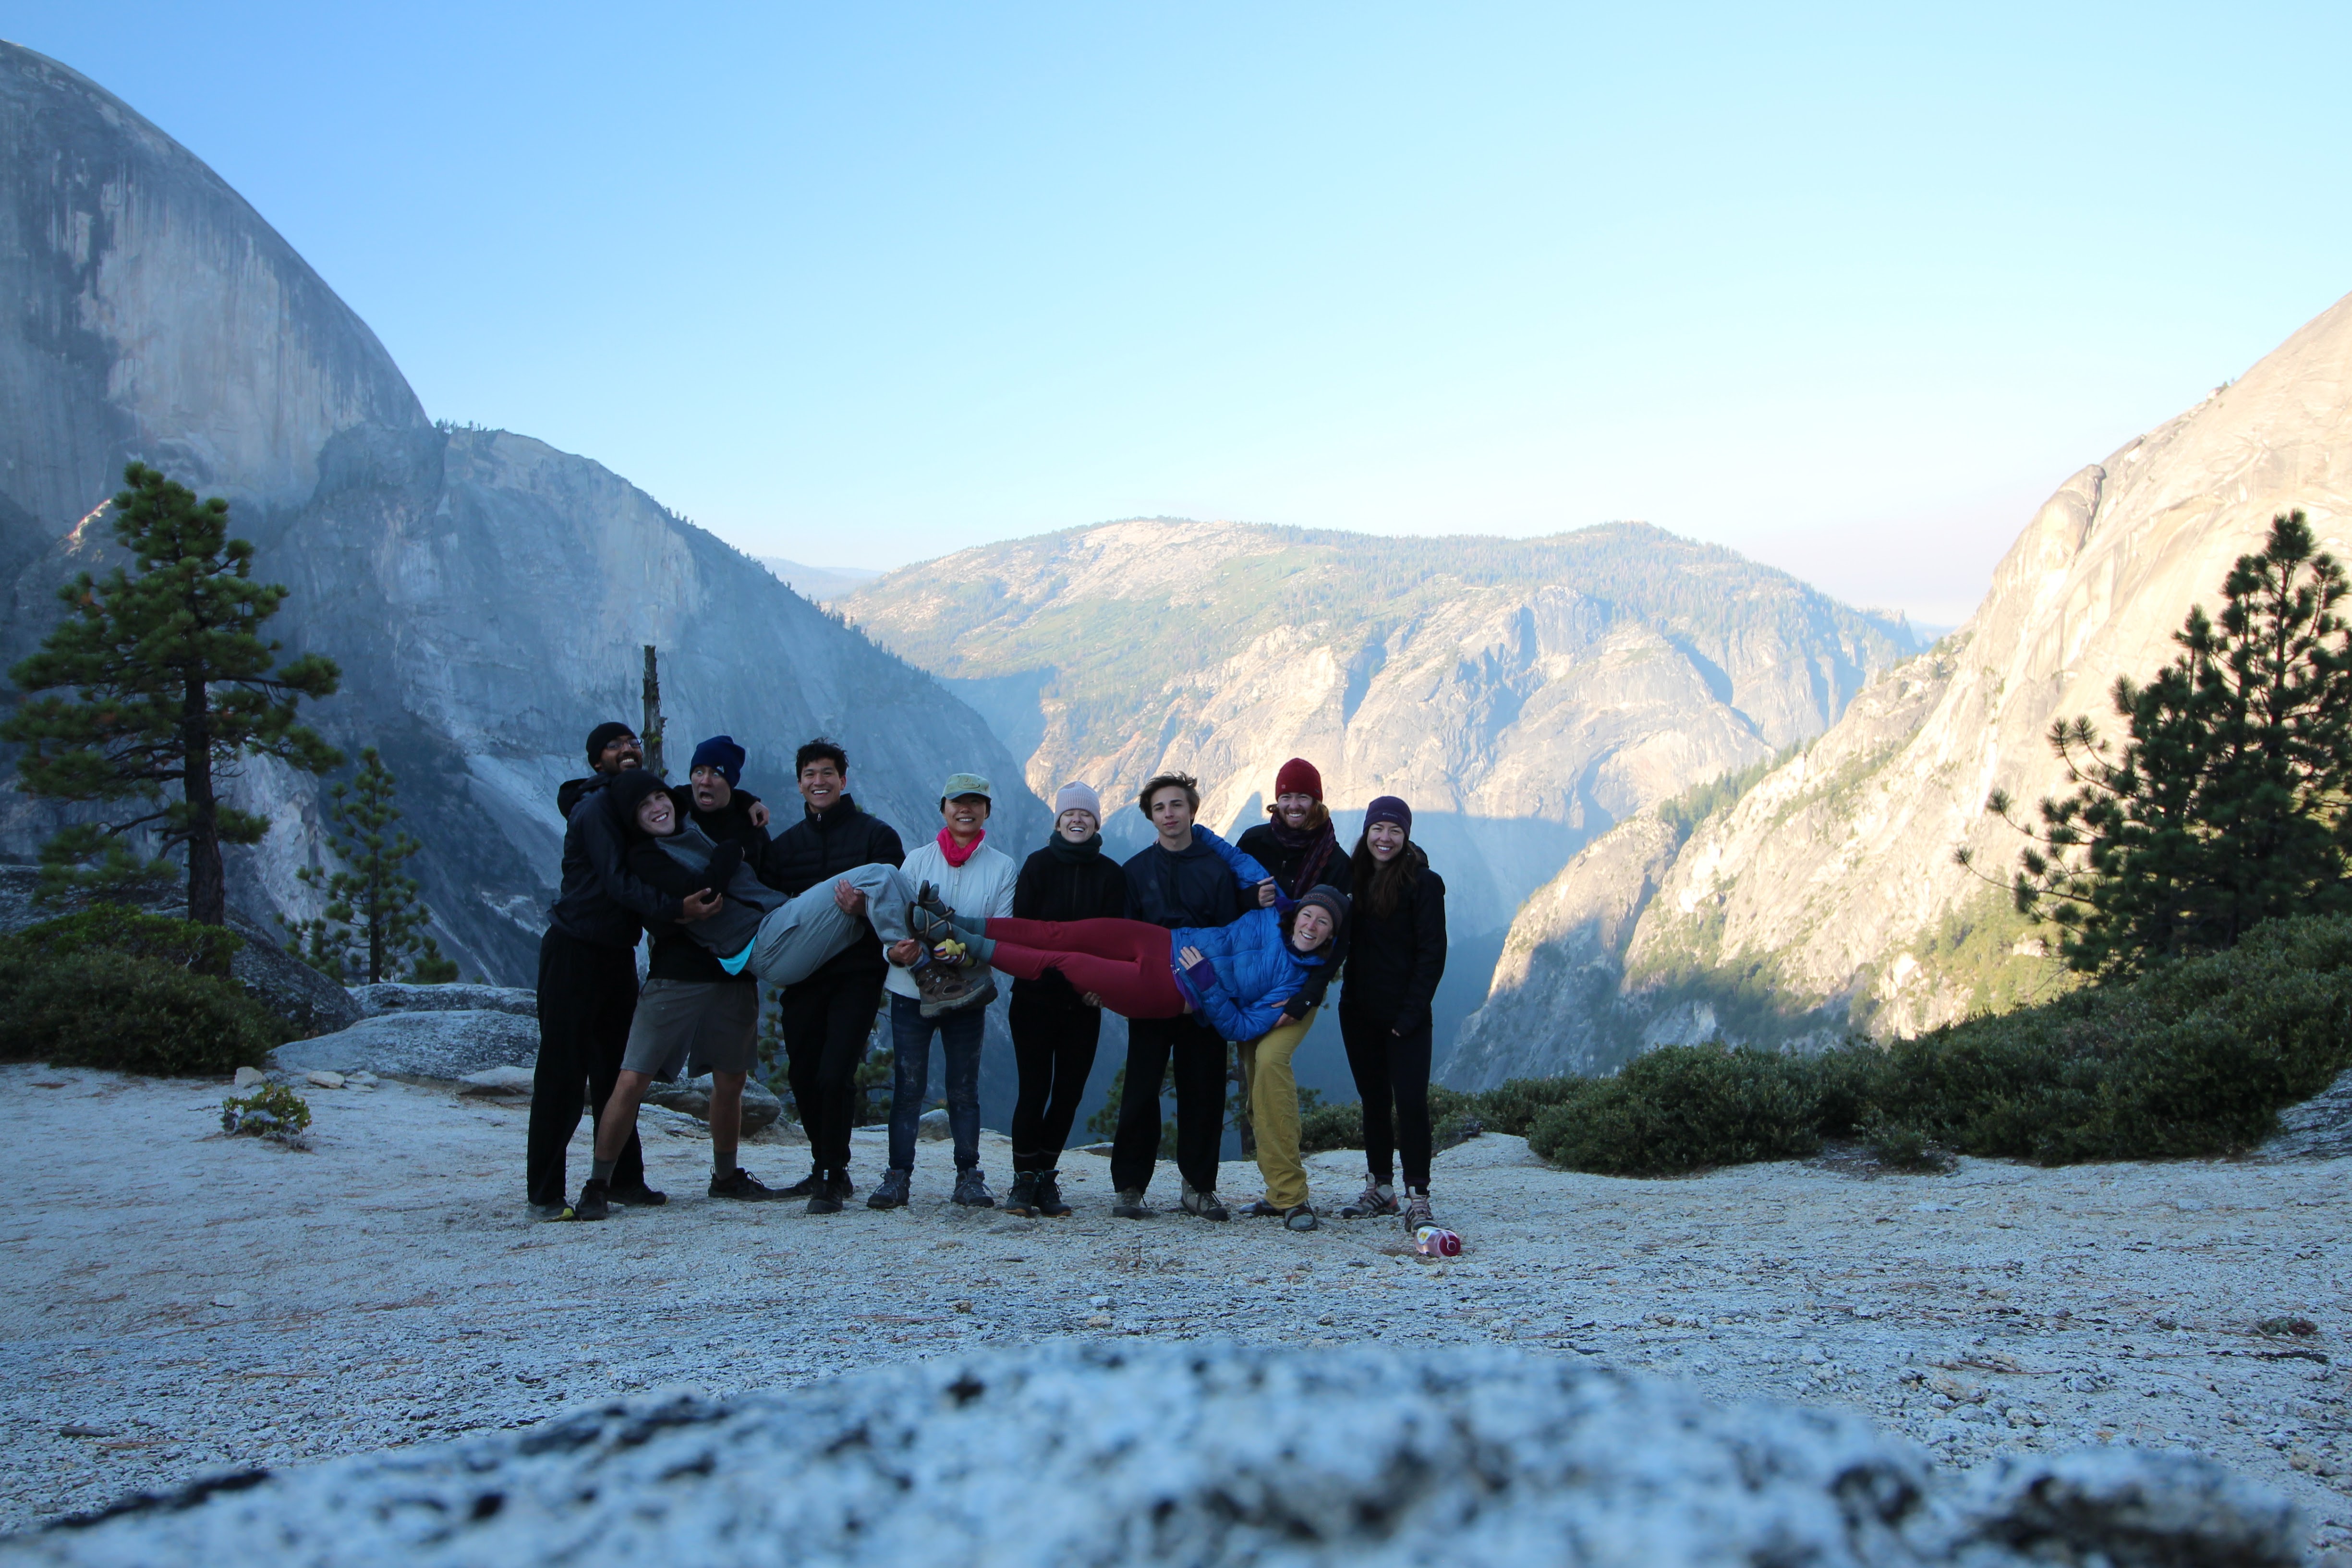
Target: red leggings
{"x":1125,"y":962}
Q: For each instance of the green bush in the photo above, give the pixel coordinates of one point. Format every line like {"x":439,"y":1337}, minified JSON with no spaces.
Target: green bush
{"x":111,"y":988}
{"x":272,"y":1112}
{"x":2196,"y":1057}
{"x":1328,"y":1127}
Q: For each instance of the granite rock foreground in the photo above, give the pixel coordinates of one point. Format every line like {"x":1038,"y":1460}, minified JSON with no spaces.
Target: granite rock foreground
{"x":1212,"y":1454}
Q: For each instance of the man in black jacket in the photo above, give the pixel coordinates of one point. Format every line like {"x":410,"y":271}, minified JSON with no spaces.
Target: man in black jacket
{"x":588,"y":976}
{"x":1175,"y":881}
{"x":827,"y":1018}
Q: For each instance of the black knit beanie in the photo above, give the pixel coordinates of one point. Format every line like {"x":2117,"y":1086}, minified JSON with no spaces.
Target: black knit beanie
{"x":627,"y":792}
{"x":602,"y":736}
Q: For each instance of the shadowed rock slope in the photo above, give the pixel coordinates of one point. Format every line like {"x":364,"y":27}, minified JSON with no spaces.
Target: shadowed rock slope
{"x":485,"y":595}
{"x":1827,"y":898}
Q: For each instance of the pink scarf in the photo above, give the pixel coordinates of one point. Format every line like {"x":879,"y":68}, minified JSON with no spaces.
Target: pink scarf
{"x":956,"y":856}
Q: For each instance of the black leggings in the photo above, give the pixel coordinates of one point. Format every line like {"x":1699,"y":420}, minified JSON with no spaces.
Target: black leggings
{"x":1053,"y":1048}
{"x":1387,"y":1066}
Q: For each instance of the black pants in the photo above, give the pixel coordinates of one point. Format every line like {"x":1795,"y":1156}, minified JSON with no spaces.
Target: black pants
{"x":1054,"y":1042}
{"x":1387,"y":1066}
{"x":587,"y":997}
{"x":826,"y":1020}
{"x":1199,"y":1056}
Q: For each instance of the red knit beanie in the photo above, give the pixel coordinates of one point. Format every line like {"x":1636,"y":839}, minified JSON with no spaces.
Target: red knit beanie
{"x":1298,"y":777}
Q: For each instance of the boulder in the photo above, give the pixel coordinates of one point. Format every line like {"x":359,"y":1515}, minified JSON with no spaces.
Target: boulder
{"x":932,"y":1125}
{"x":394,"y":996}
{"x":417,"y":1045}
{"x":1209,"y":1454}
{"x":692,"y":1096}
{"x":498,"y":1081}
{"x":2318,"y":1128}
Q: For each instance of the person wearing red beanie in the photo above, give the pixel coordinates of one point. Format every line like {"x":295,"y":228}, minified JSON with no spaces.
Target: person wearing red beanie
{"x":1297,"y":844}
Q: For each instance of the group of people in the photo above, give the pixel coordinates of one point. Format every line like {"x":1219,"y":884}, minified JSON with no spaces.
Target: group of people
{"x":1205,"y":947}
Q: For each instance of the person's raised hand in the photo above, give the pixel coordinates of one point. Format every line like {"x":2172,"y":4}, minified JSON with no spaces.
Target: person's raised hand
{"x":849,"y":900}
{"x":758,"y":814}
{"x":904,"y":953}
{"x":1265,"y":894}
{"x":701,"y":906}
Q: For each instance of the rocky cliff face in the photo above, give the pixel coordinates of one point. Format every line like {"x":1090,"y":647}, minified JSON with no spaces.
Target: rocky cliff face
{"x":1523,"y":694}
{"x":1827,"y":896}
{"x":485,"y":595}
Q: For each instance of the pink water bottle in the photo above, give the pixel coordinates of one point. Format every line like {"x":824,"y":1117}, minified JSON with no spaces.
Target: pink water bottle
{"x":1436,"y":1241}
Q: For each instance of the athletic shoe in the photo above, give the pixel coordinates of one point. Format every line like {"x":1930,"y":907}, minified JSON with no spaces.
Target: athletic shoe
{"x":548,"y":1211}
{"x":1204,"y":1206}
{"x":1049,"y":1195}
{"x":971,"y":1189}
{"x":640,"y":1197}
{"x":1377,"y":1199}
{"x":1024,"y":1198}
{"x":743,"y":1187}
{"x":1416,"y":1211}
{"x":592,"y":1202}
{"x":1264,"y":1210}
{"x":1130,"y":1205}
{"x":892,"y":1192}
{"x":806,"y":1187}
{"x":1301,"y":1218}
{"x":841,"y":1187}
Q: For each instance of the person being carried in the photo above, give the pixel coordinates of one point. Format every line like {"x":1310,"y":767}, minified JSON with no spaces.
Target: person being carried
{"x":1297,"y":844}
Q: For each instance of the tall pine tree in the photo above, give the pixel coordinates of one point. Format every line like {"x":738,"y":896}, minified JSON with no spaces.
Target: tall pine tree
{"x":373,"y":926}
{"x":172,"y":682}
{"x":2227,"y":807}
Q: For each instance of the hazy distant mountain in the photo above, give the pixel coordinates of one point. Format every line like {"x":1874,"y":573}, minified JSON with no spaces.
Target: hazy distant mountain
{"x":818,"y":583}
{"x":1523,"y":694}
{"x":1827,"y":896}
{"x":487,"y":596}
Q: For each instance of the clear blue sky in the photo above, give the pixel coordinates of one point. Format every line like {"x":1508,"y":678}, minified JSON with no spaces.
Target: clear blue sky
{"x":1851,"y":289}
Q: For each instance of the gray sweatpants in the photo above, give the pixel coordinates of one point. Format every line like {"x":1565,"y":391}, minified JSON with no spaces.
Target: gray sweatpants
{"x":797,"y":937}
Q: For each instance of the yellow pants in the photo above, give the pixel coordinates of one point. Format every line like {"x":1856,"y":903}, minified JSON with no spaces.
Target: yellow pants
{"x":1274,"y":1110}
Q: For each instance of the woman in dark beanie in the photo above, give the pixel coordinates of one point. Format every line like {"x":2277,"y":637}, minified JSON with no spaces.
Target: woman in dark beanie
{"x":1054,"y":1028}
{"x":1395,"y":958}
{"x":1298,"y":844}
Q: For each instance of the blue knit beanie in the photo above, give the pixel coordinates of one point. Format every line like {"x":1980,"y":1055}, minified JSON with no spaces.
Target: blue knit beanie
{"x":719,"y":751}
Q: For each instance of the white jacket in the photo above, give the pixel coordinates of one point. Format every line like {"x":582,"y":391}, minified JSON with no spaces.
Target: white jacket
{"x":981,"y":886}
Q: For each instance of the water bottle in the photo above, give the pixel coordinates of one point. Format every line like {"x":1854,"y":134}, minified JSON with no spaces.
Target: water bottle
{"x":1436,"y":1241}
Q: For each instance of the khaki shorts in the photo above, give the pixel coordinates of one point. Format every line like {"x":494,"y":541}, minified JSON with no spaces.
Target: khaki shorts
{"x":705,"y":1025}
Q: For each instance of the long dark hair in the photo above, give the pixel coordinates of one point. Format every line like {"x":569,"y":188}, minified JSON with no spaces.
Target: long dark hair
{"x":1382,"y":887}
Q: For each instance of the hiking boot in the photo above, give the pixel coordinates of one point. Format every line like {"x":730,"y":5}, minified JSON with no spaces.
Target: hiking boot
{"x":1301,"y":1218}
{"x":1204,"y":1205}
{"x":640,"y":1197}
{"x":1416,"y":1211}
{"x":929,"y":918}
{"x":1130,"y":1205}
{"x":941,"y":988}
{"x":971,"y":1189}
{"x":892,"y":1192}
{"x":1377,"y":1199}
{"x":826,"y":1192}
{"x":1023,"y":1200}
{"x":593,"y":1202}
{"x":1049,"y":1195}
{"x":743,"y":1187}
{"x":806,"y":1187}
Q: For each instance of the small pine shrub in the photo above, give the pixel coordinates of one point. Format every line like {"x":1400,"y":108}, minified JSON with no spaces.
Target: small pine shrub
{"x":112,"y":988}
{"x":273,"y":1111}
{"x":1682,"y":1107}
{"x":1328,"y":1127}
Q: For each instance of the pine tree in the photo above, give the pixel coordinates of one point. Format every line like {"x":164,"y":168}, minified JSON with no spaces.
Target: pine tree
{"x":374,"y":926}
{"x":2227,"y":807}
{"x":172,"y":683}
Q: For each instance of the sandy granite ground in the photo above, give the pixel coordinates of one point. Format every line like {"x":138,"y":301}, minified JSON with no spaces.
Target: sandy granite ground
{"x":173,"y":1301}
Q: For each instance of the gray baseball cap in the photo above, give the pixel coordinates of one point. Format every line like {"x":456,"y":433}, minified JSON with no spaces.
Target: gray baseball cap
{"x":967,"y":783}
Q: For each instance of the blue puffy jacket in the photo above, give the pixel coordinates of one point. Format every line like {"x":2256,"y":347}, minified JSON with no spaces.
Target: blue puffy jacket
{"x":1257,"y":969}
